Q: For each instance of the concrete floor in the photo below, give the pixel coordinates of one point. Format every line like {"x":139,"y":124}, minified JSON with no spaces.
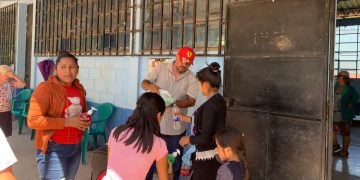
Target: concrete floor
{"x":24,"y":149}
{"x":26,"y":169}
{"x":348,"y":168}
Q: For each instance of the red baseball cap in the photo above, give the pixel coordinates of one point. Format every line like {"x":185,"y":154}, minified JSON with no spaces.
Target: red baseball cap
{"x":187,"y":53}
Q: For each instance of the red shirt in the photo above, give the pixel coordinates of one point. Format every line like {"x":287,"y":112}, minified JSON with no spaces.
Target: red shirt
{"x":73,"y":107}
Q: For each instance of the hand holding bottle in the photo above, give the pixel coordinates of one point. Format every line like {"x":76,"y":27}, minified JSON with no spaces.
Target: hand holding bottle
{"x":176,"y":119}
{"x":83,"y":122}
{"x":80,"y":123}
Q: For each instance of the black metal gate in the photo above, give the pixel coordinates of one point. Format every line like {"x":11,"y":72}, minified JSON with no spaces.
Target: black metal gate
{"x":278,"y":66}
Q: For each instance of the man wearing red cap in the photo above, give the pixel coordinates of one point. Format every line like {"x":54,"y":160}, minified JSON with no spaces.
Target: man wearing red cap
{"x":180,"y":82}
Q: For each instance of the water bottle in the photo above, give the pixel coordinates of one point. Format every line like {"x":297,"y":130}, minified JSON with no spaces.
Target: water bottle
{"x":176,"y":119}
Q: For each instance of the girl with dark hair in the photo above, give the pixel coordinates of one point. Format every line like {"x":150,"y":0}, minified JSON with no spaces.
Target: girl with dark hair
{"x":231,"y":150}
{"x":208,"y":119}
{"x":134,"y":146}
{"x":55,"y":113}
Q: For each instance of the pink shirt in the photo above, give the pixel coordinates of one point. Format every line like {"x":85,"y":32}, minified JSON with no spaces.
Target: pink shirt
{"x":125,"y":163}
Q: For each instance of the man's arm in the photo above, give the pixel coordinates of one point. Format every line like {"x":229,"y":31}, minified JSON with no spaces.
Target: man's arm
{"x":148,"y":86}
{"x":185,"y":103}
{"x":191,"y":94}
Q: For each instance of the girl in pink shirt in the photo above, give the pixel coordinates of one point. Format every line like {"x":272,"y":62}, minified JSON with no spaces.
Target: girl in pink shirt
{"x":134,"y":146}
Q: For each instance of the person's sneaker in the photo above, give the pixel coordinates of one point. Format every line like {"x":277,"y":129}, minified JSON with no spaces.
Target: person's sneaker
{"x":336,"y":148}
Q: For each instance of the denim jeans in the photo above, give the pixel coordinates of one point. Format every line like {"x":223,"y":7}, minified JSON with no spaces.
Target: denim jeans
{"x":61,"y":161}
{"x":172,"y":143}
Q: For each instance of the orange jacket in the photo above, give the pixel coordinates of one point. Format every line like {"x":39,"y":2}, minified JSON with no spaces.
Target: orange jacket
{"x":46,"y":106}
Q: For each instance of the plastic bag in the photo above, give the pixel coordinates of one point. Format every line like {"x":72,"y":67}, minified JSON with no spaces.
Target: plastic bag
{"x":167,"y":97}
{"x":186,"y":161}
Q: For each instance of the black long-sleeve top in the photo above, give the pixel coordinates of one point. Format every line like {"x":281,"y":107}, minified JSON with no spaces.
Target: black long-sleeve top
{"x":208,"y":119}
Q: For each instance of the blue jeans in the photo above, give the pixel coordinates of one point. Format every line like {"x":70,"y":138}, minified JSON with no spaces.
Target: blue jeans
{"x":172,"y":143}
{"x":61,"y":161}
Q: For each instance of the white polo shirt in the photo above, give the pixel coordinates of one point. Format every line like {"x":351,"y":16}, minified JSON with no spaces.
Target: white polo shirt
{"x":186,"y":84}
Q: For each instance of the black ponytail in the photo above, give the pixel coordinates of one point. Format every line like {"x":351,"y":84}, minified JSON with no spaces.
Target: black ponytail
{"x":211,"y":74}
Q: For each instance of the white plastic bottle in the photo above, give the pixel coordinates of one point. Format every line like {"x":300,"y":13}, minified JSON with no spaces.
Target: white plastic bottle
{"x":89,"y":112}
{"x":176,"y":119}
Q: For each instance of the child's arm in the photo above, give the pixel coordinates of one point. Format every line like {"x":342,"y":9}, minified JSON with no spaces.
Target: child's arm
{"x":161,"y":166}
{"x":184,"y":118}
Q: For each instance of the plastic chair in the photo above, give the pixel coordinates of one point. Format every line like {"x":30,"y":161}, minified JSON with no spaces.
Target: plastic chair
{"x":97,"y":128}
{"x":18,"y":105}
{"x":23,"y":117}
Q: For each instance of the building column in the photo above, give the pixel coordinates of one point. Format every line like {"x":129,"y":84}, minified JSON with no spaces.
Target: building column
{"x":20,"y":40}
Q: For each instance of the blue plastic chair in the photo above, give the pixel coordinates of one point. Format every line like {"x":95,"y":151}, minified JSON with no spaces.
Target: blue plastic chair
{"x":97,"y":128}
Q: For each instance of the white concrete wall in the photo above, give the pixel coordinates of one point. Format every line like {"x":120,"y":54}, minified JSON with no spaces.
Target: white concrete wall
{"x":117,"y":79}
{"x":106,"y":79}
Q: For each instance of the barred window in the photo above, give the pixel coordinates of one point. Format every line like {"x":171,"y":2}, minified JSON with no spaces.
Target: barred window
{"x":83,"y":27}
{"x":7,"y":34}
{"x":347,"y":50}
{"x":130,"y":27}
{"x":171,"y":24}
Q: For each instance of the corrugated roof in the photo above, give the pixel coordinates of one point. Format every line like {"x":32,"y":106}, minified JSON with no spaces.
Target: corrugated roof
{"x":348,"y":8}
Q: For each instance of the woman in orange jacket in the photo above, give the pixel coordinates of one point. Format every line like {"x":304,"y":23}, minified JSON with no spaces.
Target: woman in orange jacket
{"x":55,"y":112}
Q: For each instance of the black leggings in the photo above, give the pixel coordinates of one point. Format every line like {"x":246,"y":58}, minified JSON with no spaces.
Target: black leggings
{"x":6,"y":123}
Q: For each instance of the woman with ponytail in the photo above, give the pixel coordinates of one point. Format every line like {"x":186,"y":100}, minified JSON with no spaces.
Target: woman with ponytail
{"x":134,"y":146}
{"x":208,"y":119}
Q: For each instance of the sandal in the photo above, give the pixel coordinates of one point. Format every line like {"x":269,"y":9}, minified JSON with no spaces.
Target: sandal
{"x":336,"y":148}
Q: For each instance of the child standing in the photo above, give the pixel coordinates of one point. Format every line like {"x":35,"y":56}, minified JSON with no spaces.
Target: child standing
{"x":231,"y":150}
{"x":134,"y":146}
